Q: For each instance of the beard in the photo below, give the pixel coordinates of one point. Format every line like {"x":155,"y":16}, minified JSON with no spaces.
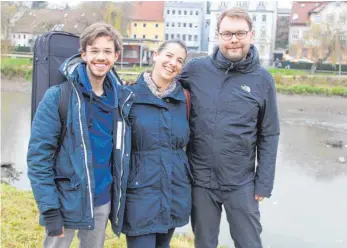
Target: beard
{"x":234,"y":55}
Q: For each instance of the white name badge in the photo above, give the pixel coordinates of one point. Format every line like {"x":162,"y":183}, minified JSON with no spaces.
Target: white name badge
{"x":119,"y":134}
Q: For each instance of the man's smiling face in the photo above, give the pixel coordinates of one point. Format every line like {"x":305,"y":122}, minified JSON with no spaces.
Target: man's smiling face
{"x":234,"y":49}
{"x":100,"y":57}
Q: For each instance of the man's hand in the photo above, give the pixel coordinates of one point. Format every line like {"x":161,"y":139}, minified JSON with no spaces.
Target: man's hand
{"x":61,"y":235}
{"x":128,"y":82}
{"x":259,"y":198}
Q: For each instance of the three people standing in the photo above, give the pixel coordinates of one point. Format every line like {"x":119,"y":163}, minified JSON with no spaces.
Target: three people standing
{"x":233,"y":123}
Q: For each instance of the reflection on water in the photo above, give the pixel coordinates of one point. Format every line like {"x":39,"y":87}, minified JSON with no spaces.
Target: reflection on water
{"x":308,"y":207}
{"x":15,"y":132}
{"x":9,"y":174}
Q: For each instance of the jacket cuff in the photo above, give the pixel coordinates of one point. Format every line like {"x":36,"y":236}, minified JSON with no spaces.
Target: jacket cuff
{"x":54,"y":222}
{"x":262,"y":191}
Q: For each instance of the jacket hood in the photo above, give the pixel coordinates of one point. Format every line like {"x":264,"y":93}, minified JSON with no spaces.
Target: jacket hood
{"x":74,"y":69}
{"x":249,"y":64}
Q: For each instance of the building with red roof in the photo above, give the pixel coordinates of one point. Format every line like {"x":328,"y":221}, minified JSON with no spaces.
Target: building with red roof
{"x":304,"y":16}
{"x":147,"y":22}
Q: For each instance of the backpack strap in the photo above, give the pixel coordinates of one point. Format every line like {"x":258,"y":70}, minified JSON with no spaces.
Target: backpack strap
{"x":187,"y":95}
{"x":65,"y":91}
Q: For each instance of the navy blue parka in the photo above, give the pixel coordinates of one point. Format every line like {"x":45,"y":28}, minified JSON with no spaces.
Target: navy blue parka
{"x":68,"y":183}
{"x":234,"y":122}
{"x":159,"y":186}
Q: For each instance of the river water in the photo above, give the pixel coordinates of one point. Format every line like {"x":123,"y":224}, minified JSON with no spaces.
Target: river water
{"x":308,"y":207}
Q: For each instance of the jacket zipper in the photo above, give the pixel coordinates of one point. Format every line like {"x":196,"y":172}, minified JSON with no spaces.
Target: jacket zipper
{"x":85,"y":152}
{"x":121,"y":163}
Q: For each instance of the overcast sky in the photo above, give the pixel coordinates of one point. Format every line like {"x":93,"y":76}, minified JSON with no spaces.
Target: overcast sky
{"x":281,"y":4}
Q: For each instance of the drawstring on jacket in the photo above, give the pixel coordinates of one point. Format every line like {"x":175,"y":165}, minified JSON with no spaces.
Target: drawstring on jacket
{"x":90,"y":121}
{"x":232,"y":65}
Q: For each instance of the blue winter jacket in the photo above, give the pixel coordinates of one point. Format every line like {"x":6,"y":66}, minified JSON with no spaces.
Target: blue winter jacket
{"x":159,"y":187}
{"x":68,"y":183}
{"x":234,"y":122}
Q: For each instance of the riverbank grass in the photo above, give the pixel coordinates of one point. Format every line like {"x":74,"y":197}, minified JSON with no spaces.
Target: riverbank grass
{"x":288,"y":81}
{"x":20,"y":228}
{"x":16,"y":67}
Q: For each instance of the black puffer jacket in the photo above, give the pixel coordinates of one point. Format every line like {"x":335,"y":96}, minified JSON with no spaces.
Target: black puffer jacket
{"x":234,"y":118}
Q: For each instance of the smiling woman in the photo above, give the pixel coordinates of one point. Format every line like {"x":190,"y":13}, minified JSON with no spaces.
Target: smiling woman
{"x":159,"y":188}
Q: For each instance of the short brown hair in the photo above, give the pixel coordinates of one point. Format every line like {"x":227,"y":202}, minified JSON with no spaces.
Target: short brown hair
{"x":97,"y":30}
{"x":237,"y":13}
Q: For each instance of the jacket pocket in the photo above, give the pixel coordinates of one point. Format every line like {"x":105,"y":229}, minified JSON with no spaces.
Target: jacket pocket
{"x":145,"y":170}
{"x":184,"y":161}
{"x":70,"y":197}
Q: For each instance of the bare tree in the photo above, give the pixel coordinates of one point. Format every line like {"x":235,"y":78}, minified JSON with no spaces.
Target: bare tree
{"x":327,"y":40}
{"x":8,"y":10}
{"x":118,"y":15}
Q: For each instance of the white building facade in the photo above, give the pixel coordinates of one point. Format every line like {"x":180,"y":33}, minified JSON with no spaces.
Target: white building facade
{"x":22,"y":39}
{"x":264,"y":16}
{"x":184,"y":20}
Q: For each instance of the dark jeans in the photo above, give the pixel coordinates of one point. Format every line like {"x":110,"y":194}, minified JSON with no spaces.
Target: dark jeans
{"x":242,"y":212}
{"x":153,"y":240}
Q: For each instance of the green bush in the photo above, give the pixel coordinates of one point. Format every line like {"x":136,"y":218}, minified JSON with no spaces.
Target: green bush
{"x":339,"y":91}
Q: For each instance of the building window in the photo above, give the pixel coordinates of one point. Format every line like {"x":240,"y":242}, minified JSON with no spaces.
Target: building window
{"x":14,"y":36}
{"x":317,"y":19}
{"x":179,"y":24}
{"x":191,"y":12}
{"x":144,"y":25}
{"x":180,"y":12}
{"x":261,"y":5}
{"x":167,"y":24}
{"x":263,"y":34}
{"x":166,"y":36}
{"x":330,"y":18}
{"x":173,"y":24}
{"x":134,"y":36}
{"x":144,"y":36}
{"x":24,"y":36}
{"x":242,"y":4}
{"x":195,"y":38}
{"x":190,"y":25}
{"x":262,"y":49}
{"x":172,"y":36}
{"x":254,"y":18}
{"x":185,"y":12}
{"x":168,"y":12}
{"x":184,"y":25}
{"x":337,"y":4}
{"x":295,"y":35}
{"x":184,"y":37}
{"x":174,"y":12}
{"x":156,"y":25}
{"x":190,"y":37}
{"x":135,"y":24}
{"x":264,"y":18}
{"x":156,"y":37}
{"x":196,"y":12}
{"x":178,"y":36}
{"x":19,"y":36}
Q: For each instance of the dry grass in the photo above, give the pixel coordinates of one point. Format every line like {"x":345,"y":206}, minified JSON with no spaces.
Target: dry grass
{"x":20,"y":228}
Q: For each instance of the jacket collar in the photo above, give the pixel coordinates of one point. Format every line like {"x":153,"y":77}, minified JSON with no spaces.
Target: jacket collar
{"x":144,"y":94}
{"x":248,"y":64}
